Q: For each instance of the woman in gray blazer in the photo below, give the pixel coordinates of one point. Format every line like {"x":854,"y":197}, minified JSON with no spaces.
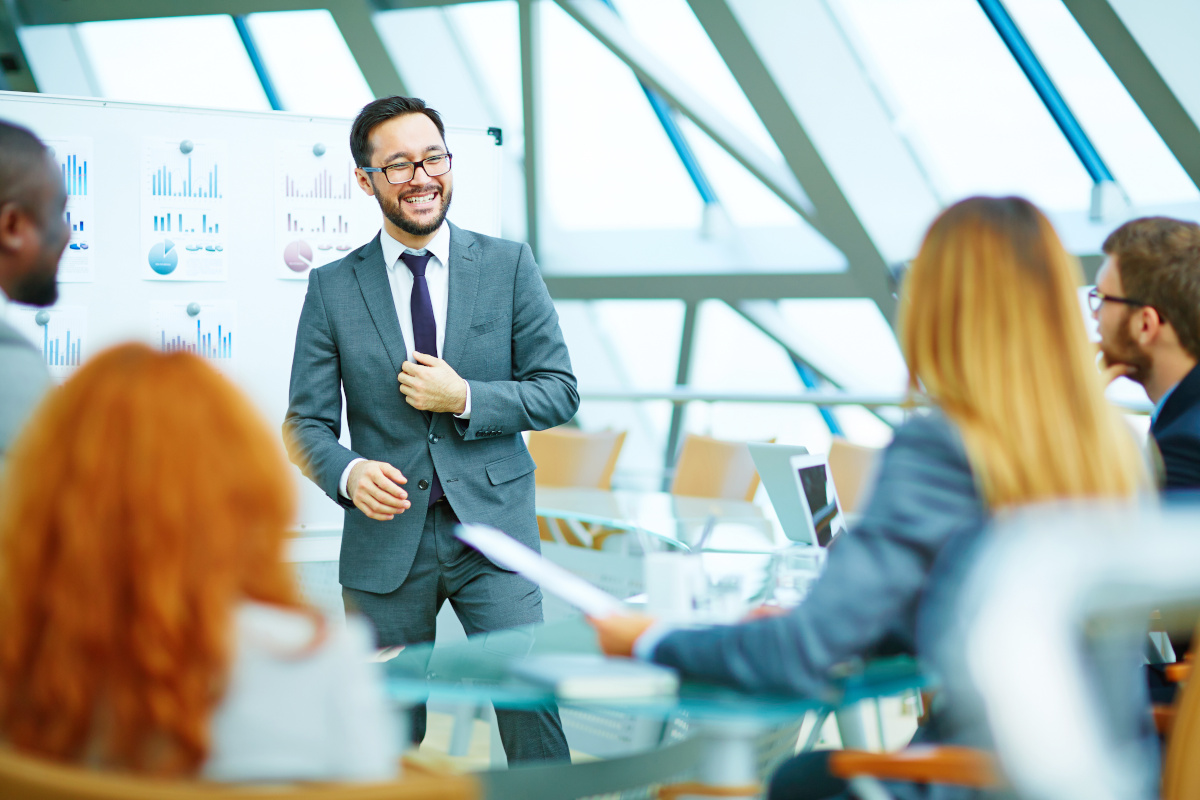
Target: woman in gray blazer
{"x":994,"y":338}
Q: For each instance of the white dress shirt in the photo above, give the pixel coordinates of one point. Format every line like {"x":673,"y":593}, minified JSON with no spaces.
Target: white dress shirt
{"x":437,"y":276}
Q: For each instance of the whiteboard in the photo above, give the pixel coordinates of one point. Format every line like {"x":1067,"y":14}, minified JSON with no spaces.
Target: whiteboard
{"x":238,"y":258}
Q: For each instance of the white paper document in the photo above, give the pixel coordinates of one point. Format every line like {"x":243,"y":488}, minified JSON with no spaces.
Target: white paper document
{"x":507,"y":552}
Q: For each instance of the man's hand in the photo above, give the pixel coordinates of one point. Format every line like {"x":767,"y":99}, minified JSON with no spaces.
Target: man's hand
{"x":432,"y":385}
{"x":618,"y":632}
{"x":374,"y":487}
{"x":1110,"y":372}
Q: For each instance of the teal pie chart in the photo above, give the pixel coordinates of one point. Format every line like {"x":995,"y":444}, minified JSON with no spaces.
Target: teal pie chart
{"x":164,"y":258}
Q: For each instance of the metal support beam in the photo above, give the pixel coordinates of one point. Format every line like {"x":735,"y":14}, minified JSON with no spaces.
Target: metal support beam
{"x":602,"y":23}
{"x":527,"y":11}
{"x":1051,"y":98}
{"x":260,"y":67}
{"x":731,"y":287}
{"x":353,"y":18}
{"x":39,"y":12}
{"x":1147,"y":87}
{"x":15,"y":75}
{"x":682,"y":375}
{"x":835,"y":218}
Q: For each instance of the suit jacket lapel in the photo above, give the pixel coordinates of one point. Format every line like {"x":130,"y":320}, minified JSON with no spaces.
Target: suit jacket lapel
{"x":377,"y":292}
{"x":464,"y":284}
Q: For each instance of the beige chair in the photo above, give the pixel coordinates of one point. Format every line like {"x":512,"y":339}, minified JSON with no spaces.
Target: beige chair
{"x":852,"y":467}
{"x":571,"y":458}
{"x":26,"y":778}
{"x":715,"y":468}
{"x":568,"y":457}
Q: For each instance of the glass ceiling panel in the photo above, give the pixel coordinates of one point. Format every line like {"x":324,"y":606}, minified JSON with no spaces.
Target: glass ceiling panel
{"x":976,"y":123}
{"x":848,"y":340}
{"x":145,"y":60}
{"x":491,"y":43}
{"x":744,"y":198}
{"x":289,"y":41}
{"x":607,"y":164}
{"x":691,"y":56}
{"x":1127,"y":142}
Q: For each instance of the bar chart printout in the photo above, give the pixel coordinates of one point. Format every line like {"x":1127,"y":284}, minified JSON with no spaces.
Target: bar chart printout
{"x":209,"y":333}
{"x":183,"y":210}
{"x":59,"y":333}
{"x":74,"y":158}
{"x":320,"y":211}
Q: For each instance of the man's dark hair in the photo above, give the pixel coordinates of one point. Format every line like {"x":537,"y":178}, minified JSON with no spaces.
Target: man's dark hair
{"x":22,"y":168}
{"x":382,"y":110}
{"x":1158,"y":259}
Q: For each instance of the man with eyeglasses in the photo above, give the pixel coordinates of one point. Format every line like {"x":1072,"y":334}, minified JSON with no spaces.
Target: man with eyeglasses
{"x":1147,"y":306}
{"x":447,"y":346}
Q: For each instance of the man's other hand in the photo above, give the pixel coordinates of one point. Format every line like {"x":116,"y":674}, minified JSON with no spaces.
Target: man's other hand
{"x":618,"y":632}
{"x":375,"y":489}
{"x":432,"y":385}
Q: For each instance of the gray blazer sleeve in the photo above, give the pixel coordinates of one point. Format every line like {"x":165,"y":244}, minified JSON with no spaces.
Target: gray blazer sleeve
{"x":314,"y":417}
{"x":26,"y":381}
{"x":543,"y":392}
{"x":872,"y":581}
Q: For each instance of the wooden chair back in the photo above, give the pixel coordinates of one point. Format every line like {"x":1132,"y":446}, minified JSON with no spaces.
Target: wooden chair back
{"x":852,"y":467}
{"x":26,"y":778}
{"x":568,"y":457}
{"x":1181,"y":768}
{"x":715,"y":468}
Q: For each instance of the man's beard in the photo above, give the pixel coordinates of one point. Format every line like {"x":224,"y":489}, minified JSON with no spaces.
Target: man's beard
{"x":394,"y":215}
{"x":39,"y":287}
{"x":1124,"y":350}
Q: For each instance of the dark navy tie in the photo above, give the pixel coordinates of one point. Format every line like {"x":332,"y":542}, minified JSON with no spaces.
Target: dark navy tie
{"x":424,"y":327}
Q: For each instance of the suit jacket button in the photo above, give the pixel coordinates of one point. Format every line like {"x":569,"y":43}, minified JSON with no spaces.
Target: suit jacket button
{"x":422,"y":484}
{"x":433,"y":437}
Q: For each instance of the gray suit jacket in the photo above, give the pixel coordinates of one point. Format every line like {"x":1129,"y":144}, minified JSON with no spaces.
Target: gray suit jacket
{"x":869,"y":592}
{"x":24,"y":379}
{"x":502,"y":336}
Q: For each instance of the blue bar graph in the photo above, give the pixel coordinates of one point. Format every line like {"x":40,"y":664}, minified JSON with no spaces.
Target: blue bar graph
{"x":203,"y":344}
{"x":74,"y":175}
{"x":163,"y":183}
{"x":56,"y":356}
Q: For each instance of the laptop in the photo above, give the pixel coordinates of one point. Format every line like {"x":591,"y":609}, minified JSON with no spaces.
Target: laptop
{"x":774,"y":465}
{"x":822,"y":512}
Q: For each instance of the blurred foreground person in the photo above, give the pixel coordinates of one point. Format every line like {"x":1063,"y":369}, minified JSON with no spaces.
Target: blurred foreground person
{"x":992,"y":333}
{"x":1147,"y":309}
{"x":33,"y":234}
{"x":149,"y":622}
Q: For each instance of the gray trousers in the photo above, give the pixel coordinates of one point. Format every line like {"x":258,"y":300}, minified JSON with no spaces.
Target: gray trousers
{"x":485,"y":598}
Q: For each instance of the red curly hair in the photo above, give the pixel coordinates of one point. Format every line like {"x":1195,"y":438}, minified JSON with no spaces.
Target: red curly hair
{"x":143,"y":503}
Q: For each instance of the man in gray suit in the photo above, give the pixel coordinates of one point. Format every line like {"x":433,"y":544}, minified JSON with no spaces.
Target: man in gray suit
{"x":447,"y":346}
{"x":33,"y":234}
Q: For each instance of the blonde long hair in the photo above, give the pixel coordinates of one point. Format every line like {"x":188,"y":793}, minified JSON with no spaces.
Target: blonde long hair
{"x":992,"y":330}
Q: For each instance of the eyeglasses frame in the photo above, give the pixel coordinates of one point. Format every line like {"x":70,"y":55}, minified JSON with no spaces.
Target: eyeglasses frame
{"x":414,"y":164}
{"x":1097,"y":298}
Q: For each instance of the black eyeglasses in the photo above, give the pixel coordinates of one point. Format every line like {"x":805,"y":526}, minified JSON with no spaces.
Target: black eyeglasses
{"x":1097,"y":298}
{"x":405,"y":172}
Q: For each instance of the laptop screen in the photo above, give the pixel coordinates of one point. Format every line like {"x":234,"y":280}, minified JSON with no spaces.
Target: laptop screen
{"x":822,"y":503}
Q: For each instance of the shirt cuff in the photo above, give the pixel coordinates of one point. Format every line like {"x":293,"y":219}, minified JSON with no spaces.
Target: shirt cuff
{"x":342,"y":481}
{"x":647,"y":643}
{"x":467,"y":408}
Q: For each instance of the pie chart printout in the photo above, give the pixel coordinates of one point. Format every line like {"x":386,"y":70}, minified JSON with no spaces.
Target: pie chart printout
{"x":164,"y":258}
{"x":298,"y":255}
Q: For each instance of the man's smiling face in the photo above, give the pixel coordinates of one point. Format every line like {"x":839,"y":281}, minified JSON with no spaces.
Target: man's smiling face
{"x":419,"y":206}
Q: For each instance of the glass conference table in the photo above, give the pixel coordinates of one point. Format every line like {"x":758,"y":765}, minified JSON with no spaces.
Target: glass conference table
{"x":664,"y":520}
{"x":723,"y":724}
